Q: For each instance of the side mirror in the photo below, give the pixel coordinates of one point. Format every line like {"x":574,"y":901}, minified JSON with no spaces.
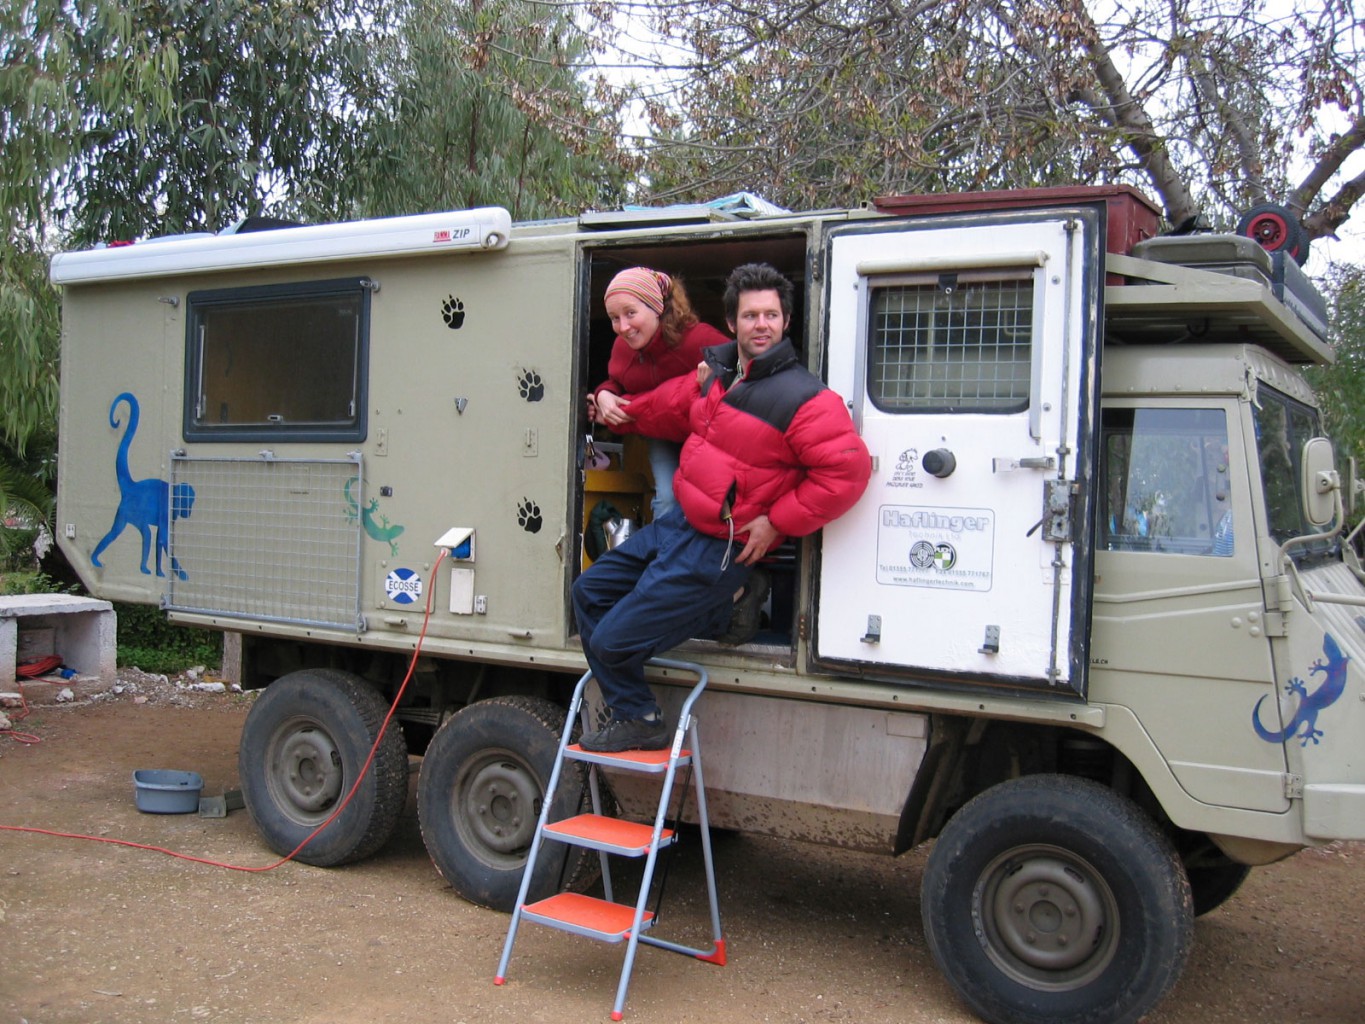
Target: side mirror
{"x":1320,"y":481}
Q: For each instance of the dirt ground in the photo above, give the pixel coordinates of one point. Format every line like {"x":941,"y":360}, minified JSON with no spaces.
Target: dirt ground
{"x":92,"y":932}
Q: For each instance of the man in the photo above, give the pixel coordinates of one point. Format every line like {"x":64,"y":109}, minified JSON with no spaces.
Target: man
{"x":769,"y":452}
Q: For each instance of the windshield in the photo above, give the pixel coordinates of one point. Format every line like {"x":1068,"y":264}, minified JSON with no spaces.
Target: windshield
{"x":1282,"y":427}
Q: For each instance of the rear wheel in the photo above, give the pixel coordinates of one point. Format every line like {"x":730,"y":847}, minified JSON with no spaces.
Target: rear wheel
{"x":1053,"y":900}
{"x":303,"y":745}
{"x":479,"y":798}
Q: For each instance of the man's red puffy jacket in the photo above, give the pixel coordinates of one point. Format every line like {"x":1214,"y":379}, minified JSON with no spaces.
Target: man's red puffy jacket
{"x":774,"y":442}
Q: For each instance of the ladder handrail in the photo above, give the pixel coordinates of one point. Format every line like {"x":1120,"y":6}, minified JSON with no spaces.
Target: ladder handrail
{"x":684,"y":714}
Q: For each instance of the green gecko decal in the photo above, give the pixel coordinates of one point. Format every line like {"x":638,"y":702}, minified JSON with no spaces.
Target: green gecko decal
{"x":377,"y":526}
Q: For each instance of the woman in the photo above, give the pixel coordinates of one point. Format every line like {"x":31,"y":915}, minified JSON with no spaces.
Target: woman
{"x":657,"y":337}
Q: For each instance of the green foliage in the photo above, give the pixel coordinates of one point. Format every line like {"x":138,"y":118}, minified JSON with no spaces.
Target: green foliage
{"x":1341,"y":386}
{"x":29,"y":581}
{"x":837,"y":101}
{"x":152,"y":643}
{"x":26,"y":500}
{"x":1212,"y":105}
{"x":484,"y":105}
{"x":28,"y":351}
{"x":233,"y":106}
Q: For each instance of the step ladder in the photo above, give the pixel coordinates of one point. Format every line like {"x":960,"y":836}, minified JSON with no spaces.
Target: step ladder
{"x":605,"y":919}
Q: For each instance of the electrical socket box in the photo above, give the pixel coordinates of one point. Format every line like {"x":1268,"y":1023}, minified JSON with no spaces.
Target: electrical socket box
{"x":459,"y":540}
{"x":461,"y":591}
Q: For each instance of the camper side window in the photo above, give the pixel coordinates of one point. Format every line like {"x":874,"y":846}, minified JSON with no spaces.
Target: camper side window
{"x":277,"y":362}
{"x":1166,"y":486}
{"x":951,"y":343}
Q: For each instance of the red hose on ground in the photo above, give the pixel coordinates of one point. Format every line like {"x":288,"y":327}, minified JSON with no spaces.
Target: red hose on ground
{"x":412,"y":665}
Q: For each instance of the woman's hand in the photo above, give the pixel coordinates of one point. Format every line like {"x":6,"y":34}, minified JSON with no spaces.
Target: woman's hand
{"x":611,"y":409}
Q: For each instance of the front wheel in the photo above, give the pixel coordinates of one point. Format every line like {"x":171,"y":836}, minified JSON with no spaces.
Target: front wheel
{"x":1053,"y":900}
{"x":303,"y":745}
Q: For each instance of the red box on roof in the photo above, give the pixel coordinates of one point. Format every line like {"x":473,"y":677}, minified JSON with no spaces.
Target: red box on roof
{"x":1131,"y":216}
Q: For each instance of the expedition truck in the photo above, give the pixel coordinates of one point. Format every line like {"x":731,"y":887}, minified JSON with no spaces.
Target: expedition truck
{"x":1095,"y":627}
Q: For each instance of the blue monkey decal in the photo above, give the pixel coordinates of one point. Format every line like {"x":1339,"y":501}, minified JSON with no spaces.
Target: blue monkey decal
{"x":146,"y":504}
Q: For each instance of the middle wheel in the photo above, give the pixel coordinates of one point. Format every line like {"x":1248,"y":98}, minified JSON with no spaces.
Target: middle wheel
{"x":480,"y":794}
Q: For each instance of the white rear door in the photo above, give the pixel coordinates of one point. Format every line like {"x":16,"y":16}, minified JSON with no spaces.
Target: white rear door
{"x":967,"y":350}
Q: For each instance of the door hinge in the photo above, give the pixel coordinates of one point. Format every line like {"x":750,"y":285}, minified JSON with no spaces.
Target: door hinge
{"x":1293,"y":786}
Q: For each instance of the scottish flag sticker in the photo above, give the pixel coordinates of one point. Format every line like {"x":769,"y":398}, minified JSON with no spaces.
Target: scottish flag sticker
{"x":403,"y":586}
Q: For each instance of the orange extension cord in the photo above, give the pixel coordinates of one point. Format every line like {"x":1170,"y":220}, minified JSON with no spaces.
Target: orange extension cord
{"x":426,"y":618}
{"x":26,"y":738}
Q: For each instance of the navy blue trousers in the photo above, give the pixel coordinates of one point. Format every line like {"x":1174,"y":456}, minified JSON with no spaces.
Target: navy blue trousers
{"x":662,"y":586}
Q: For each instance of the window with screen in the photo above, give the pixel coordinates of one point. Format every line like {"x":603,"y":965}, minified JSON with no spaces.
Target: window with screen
{"x":951,"y":343}
{"x":278,"y":362}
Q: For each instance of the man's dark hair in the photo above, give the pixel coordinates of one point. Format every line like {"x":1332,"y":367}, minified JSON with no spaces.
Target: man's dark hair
{"x":756,"y":277}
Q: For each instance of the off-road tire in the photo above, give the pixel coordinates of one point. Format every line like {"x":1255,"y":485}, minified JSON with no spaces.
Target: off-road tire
{"x":304,"y":743}
{"x":1053,"y":900}
{"x":479,"y":797}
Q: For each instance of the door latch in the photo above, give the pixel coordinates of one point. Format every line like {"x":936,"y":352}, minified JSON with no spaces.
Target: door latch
{"x":1057,"y":502}
{"x":1004,"y":464}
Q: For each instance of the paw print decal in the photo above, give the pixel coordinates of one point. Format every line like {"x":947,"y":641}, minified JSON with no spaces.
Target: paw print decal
{"x":452,"y":311}
{"x":530,"y":385}
{"x":528,"y":516}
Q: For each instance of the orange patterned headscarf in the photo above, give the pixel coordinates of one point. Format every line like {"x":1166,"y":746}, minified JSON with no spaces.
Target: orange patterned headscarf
{"x":649,"y":286}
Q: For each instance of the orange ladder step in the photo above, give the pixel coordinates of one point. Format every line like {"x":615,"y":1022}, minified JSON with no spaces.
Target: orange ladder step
{"x":611,"y":835}
{"x":586,"y":915}
{"x":655,"y":761}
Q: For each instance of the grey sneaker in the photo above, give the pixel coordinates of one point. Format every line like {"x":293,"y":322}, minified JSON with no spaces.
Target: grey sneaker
{"x":628,"y":734}
{"x":744,"y":618}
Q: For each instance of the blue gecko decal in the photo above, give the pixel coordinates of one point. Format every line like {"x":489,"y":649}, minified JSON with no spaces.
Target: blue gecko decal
{"x":376,"y":524}
{"x":1305,"y":720}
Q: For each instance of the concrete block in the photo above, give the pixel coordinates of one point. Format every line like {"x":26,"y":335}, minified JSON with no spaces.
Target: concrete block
{"x":84,"y":632}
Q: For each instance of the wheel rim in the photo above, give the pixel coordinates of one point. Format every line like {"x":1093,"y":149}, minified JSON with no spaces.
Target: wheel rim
{"x":495,"y":804}
{"x":306,"y":773}
{"x":1046,"y":918}
{"x":1270,"y":230}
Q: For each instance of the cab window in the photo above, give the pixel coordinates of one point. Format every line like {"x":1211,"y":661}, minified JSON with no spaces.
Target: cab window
{"x":1165,"y":476}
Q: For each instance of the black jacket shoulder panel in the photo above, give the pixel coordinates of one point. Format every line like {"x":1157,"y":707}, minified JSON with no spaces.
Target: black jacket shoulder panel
{"x":776,"y":386}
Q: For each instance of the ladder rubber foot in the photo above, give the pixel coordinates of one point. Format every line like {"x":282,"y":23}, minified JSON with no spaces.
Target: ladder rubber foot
{"x":616,"y":1014}
{"x":499,"y":980}
{"x":717,"y":956}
